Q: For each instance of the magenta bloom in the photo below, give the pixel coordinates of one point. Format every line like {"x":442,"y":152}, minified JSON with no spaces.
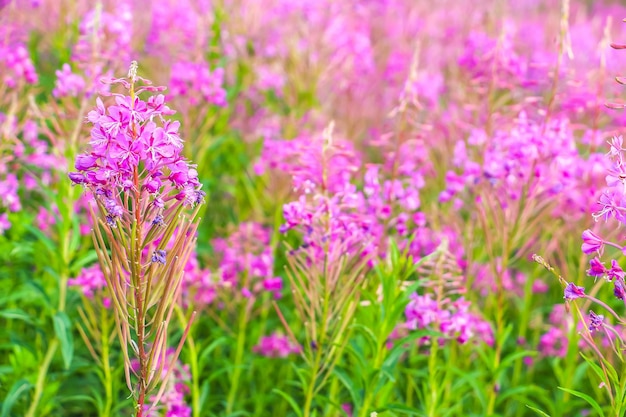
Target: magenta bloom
{"x":618,"y":290}
{"x":126,"y":140}
{"x":573,"y":292}
{"x":276,"y":346}
{"x":591,"y":242}
{"x":89,"y":280}
{"x":616,"y":272}
{"x":596,"y":268}
{"x":595,"y":321}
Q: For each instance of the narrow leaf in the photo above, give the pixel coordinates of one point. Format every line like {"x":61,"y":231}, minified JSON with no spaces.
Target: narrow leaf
{"x":62,"y":329}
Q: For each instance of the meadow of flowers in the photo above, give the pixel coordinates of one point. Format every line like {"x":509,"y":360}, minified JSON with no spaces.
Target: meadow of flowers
{"x":312,"y":208}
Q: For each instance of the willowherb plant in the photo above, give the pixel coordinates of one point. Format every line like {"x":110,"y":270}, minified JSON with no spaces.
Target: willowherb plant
{"x":611,"y":207}
{"x":328,"y":270}
{"x":142,"y":186}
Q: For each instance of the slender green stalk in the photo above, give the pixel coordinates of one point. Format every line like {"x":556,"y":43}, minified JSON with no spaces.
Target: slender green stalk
{"x":241,"y":342}
{"x":41,"y":377}
{"x":433,"y":383}
{"x":192,"y":360}
{"x":308,"y":401}
{"x":369,"y":389}
{"x":195,"y":376}
{"x":106,"y":365}
{"x":320,"y":342}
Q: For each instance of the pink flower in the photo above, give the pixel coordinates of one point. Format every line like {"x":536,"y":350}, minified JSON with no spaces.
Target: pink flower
{"x":597,"y":268}
{"x":89,"y":280}
{"x":572,"y":292}
{"x":591,"y":242}
{"x":5,"y":224}
{"x":276,"y":346}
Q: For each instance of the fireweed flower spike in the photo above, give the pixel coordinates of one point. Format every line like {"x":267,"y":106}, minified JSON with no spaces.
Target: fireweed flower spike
{"x":142,"y":186}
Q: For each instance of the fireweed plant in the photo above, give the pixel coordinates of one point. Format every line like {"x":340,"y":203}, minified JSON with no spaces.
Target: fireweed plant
{"x":142,"y":186}
{"x":384,"y":268}
{"x":601,"y":325}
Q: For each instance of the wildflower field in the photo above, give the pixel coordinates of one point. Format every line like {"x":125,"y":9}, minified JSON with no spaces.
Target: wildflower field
{"x":304,"y":208}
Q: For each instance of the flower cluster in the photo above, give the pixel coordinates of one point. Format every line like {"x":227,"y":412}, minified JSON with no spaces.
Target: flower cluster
{"x":198,"y":84}
{"x":89,"y":281}
{"x":246,"y":261}
{"x":276,"y":346}
{"x":526,"y":160}
{"x":16,"y":61}
{"x":141,"y":184}
{"x":452,"y":318}
{"x":612,"y":205}
{"x":135,"y":149}
{"x":103,"y":46}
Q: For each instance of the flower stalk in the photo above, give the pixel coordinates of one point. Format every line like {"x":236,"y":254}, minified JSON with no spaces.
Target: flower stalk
{"x":143,"y":233}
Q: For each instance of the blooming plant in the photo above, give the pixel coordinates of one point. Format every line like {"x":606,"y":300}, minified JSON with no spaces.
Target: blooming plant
{"x":141,"y":185}
{"x":379,"y":175}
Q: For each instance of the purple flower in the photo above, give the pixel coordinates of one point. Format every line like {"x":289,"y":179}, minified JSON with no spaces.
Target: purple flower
{"x":158,"y":256}
{"x":158,"y":221}
{"x":5,"y":224}
{"x":597,"y":268}
{"x":85,"y":162}
{"x":276,"y":346}
{"x":89,"y":280}
{"x":616,"y":272}
{"x":273,"y":284}
{"x":618,"y":289}
{"x":595,"y":321}
{"x":573,"y":292}
{"x":77,"y":177}
{"x":68,"y":83}
{"x":591,"y":242}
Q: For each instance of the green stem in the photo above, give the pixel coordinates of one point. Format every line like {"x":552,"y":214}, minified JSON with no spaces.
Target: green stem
{"x":195,"y":375}
{"x":369,"y":390}
{"x":67,"y":195}
{"x":41,"y":377}
{"x":108,"y":379}
{"x":241,"y":341}
{"x":432,"y":378}
{"x":311,"y":388}
{"x":54,"y":343}
{"x":192,"y":361}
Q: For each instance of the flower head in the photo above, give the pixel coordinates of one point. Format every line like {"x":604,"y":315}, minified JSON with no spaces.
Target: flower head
{"x":596,"y":268}
{"x":595,"y":321}
{"x":573,"y":292}
{"x":591,"y":242}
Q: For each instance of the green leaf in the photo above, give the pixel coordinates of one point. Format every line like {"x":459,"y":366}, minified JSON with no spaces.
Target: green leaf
{"x":48,"y":243}
{"x":17,"y":389}
{"x":16,"y":314}
{"x":347,"y":382}
{"x":290,"y":400}
{"x":88,"y":259}
{"x":206,"y":352}
{"x":75,"y":238}
{"x":62,"y":330}
{"x":369,"y":335}
{"x":402,"y":346}
{"x":538,"y":411}
{"x":585,"y":397}
{"x":409,"y":411}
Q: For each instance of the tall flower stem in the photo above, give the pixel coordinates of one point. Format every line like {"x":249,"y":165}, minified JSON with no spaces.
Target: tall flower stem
{"x":66,"y":195}
{"x":192,"y":359}
{"x":241,"y":343}
{"x":369,"y":397}
{"x":106,"y":365}
{"x":41,"y":377}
